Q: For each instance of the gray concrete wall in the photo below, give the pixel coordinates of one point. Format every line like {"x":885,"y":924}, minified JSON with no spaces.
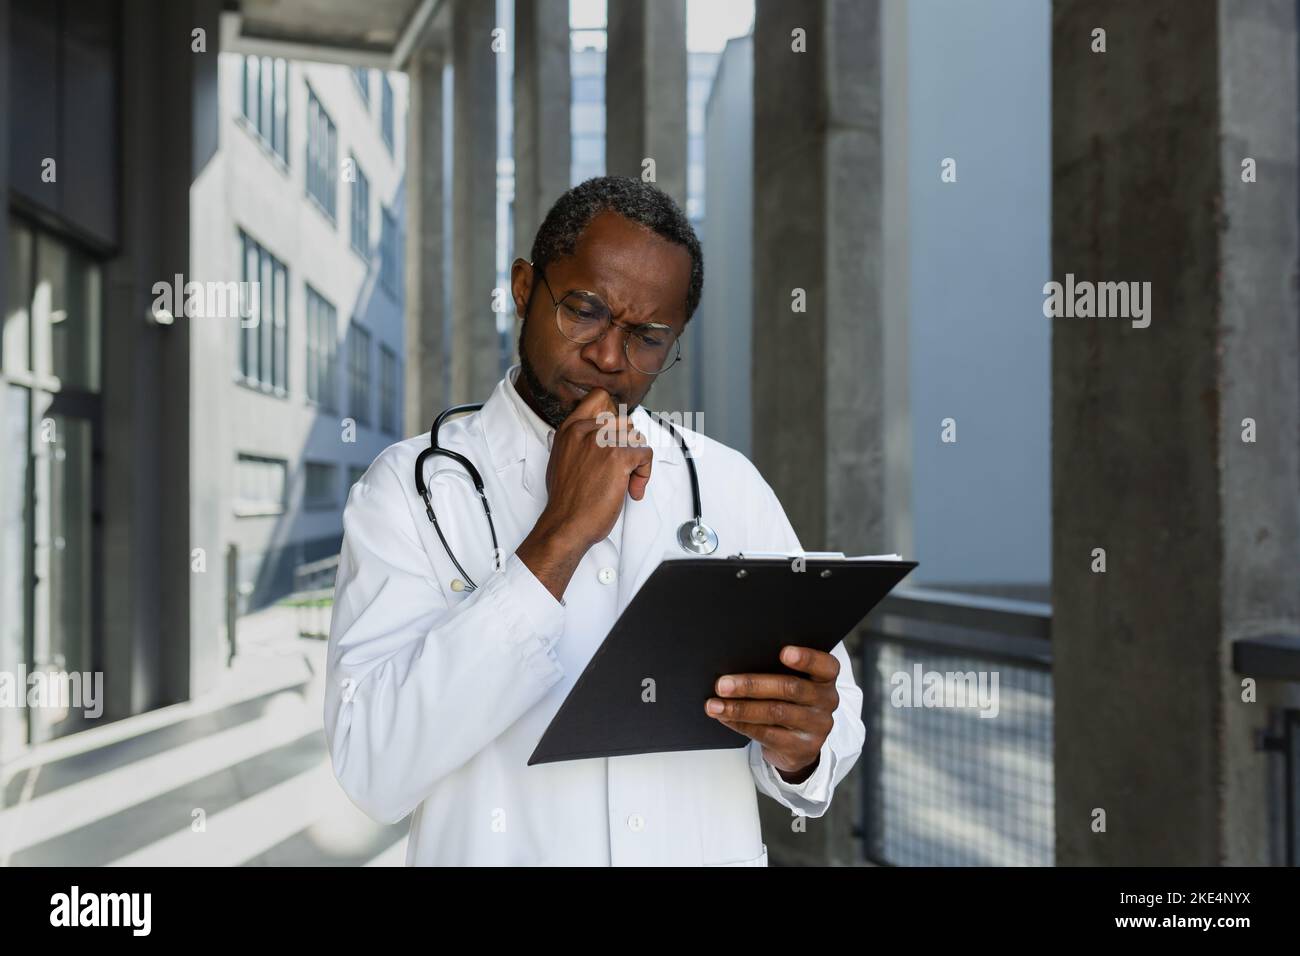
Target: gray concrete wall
{"x":427,"y":345}
{"x":645,"y":118}
{"x":1259,"y":377}
{"x":476,"y":347}
{"x":817,"y":227}
{"x":1201,"y":530}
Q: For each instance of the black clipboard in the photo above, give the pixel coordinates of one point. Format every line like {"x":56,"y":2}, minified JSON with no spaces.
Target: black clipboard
{"x":692,"y":621}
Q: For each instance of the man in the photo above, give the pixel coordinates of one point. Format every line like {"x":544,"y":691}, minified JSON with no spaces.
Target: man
{"x":439,"y":688}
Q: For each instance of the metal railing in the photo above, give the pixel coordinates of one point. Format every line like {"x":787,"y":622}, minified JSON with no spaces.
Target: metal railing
{"x":957,"y":765}
{"x":313,"y":596}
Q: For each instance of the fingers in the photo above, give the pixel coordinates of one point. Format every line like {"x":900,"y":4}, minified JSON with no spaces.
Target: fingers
{"x":818,"y":665}
{"x":771,"y":713}
{"x":780,"y":739}
{"x":594,"y":402}
{"x":767,"y":687}
{"x":640,"y":477}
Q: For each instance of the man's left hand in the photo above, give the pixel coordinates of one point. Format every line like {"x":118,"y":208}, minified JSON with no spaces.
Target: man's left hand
{"x":789,"y":715}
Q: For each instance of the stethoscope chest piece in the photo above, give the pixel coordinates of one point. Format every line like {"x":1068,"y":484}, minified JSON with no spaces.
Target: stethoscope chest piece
{"x":696,"y":536}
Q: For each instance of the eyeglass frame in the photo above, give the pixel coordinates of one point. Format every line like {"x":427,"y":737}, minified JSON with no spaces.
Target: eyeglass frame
{"x":627,"y":330}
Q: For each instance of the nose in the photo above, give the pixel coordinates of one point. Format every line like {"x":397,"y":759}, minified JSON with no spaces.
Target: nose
{"x":606,"y":353}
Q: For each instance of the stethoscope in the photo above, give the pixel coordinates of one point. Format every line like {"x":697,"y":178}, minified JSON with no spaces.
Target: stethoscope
{"x":693,"y":536}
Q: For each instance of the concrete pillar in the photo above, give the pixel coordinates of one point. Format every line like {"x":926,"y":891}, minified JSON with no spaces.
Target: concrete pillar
{"x":476,"y":351}
{"x":542,"y":98}
{"x":427,"y":385}
{"x":188,"y":93}
{"x":1201,"y":529}
{"x":818,"y":387}
{"x":162,"y":637}
{"x":645,"y":119}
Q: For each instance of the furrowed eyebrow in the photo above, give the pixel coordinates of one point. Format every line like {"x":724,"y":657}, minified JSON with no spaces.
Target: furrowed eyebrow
{"x":650,"y":325}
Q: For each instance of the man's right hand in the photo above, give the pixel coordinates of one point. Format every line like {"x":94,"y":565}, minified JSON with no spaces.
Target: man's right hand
{"x":596,"y":458}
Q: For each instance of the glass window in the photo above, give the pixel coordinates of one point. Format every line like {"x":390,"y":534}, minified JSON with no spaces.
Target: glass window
{"x":360,"y":211}
{"x":322,"y":157}
{"x":265,"y":101}
{"x":386,"y":114}
{"x":390,"y":256}
{"x":320,"y":486}
{"x":259,"y":485}
{"x":361,"y":76}
{"x":322,"y":351}
{"x":15,"y":347}
{"x":389,"y":390}
{"x":65,"y":316}
{"x":15,"y":413}
{"x":264,"y":339}
{"x":359,"y":375}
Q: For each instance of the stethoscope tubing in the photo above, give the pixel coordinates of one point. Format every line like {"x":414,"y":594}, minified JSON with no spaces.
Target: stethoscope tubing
{"x":697,"y":525}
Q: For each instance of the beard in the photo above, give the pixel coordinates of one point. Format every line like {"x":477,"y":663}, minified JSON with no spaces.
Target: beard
{"x":553,"y":409}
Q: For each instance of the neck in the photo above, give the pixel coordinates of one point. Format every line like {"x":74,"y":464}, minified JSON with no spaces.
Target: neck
{"x":524,"y":392}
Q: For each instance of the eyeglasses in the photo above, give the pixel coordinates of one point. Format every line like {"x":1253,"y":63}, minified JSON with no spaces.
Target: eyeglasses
{"x":650,"y":347}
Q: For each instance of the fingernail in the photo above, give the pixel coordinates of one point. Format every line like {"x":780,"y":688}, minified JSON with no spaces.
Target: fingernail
{"x":726,"y":685}
{"x":714,"y":706}
{"x":790,"y":655}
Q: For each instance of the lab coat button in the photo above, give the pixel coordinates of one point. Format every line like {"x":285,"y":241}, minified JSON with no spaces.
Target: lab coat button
{"x":635,"y":823}
{"x":607,"y":575}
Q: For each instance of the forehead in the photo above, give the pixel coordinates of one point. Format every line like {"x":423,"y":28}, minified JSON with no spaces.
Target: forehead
{"x":632,"y":267}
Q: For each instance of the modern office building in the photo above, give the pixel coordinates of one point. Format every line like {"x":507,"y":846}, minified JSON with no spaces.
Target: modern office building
{"x":305,"y":196}
{"x":151,"y":424}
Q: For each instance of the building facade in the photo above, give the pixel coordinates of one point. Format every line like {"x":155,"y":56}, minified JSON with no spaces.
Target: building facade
{"x":304,"y":197}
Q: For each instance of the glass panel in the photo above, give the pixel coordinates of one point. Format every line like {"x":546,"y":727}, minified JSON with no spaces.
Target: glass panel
{"x":279,"y":134}
{"x":267,"y":327}
{"x":250,"y":88}
{"x":74,"y":317}
{"x":65,"y":316}
{"x":248,"y":334}
{"x":16,"y":344}
{"x":14,"y":584}
{"x":267,"y":116}
{"x":281,"y":329}
{"x":62,"y":559}
{"x":313,"y":334}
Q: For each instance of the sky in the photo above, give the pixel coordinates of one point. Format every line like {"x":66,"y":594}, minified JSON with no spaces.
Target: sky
{"x":709,"y":23}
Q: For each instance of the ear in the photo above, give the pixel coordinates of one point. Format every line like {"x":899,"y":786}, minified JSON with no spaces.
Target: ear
{"x":521,"y":285}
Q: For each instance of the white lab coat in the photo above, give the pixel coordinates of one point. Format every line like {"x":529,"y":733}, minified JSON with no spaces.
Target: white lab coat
{"x":436,"y":698}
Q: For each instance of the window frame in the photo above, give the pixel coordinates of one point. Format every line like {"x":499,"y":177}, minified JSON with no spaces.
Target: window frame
{"x":322,"y":177}
{"x":267,"y":371}
{"x":359,"y":343}
{"x":360,"y":199}
{"x":322,"y":350}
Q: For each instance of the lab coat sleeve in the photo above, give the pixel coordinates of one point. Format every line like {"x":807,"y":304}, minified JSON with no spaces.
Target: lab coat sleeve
{"x":843,"y":744}
{"x":416,"y":688}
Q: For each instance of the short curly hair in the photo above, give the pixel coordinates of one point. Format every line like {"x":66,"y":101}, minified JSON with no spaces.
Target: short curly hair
{"x":642,"y":203}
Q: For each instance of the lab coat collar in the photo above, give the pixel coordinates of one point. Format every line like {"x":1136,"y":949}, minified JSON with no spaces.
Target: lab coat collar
{"x":507,"y":436}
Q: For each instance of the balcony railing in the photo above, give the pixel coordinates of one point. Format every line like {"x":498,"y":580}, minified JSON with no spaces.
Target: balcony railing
{"x":313,"y":596}
{"x":958,"y":710}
